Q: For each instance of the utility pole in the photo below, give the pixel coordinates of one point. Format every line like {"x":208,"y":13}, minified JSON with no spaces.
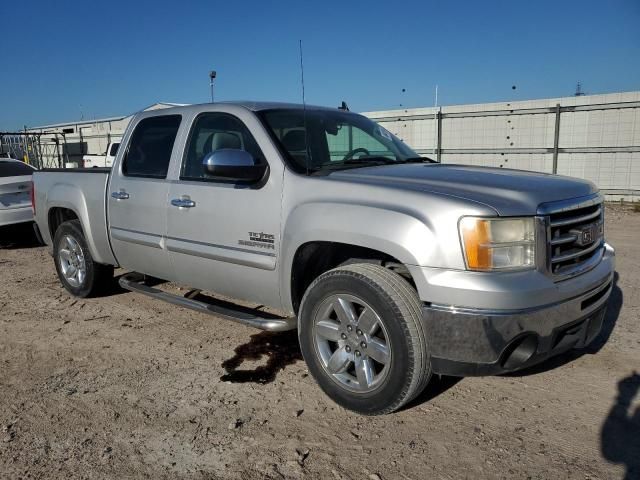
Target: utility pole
{"x":212,"y":77}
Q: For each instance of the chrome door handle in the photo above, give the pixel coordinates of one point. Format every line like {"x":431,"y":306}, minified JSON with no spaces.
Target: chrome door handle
{"x":121,"y":195}
{"x":183,"y":203}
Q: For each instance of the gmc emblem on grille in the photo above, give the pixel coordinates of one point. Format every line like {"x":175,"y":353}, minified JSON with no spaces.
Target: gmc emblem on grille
{"x":588,"y":234}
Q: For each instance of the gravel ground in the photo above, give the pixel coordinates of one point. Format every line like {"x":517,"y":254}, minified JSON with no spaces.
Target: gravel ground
{"x":126,"y":387}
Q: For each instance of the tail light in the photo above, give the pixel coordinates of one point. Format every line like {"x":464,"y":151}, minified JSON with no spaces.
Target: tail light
{"x":32,"y":194}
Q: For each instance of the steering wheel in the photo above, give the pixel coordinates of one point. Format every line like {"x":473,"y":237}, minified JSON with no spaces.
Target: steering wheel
{"x":354,"y":152}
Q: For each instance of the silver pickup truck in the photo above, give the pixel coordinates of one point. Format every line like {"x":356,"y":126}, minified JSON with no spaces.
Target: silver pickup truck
{"x":391,"y":267}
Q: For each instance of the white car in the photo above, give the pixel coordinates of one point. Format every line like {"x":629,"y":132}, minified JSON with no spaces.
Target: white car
{"x":15,"y":192}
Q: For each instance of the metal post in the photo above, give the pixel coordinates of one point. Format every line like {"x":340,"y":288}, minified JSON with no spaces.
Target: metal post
{"x":65,"y":150}
{"x":435,"y":121}
{"x":439,"y":126}
{"x":556,"y":140}
{"x":57,"y":142}
{"x":26,"y":147}
{"x":82,"y":153}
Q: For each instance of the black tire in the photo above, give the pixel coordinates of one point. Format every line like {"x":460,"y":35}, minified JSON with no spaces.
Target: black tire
{"x":397,"y":305}
{"x":98,"y":277}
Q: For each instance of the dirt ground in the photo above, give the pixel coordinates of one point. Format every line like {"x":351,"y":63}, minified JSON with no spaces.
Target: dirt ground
{"x":127,"y":387}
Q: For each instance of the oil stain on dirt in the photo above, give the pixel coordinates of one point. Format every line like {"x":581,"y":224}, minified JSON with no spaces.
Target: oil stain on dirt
{"x":280,"y":350}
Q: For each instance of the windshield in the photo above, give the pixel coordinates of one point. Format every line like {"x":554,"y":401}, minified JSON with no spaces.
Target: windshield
{"x":334,"y":139}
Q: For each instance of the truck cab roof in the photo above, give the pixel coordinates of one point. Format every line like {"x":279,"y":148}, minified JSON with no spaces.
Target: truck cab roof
{"x":254,"y":106}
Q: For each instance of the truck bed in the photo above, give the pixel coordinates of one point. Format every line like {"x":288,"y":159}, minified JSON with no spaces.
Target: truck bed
{"x":82,"y":193}
{"x":106,"y":170}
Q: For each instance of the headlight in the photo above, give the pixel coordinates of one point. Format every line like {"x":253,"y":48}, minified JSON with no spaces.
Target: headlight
{"x":498,"y":243}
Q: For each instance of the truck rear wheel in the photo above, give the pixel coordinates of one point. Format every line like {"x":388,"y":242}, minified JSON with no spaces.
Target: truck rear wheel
{"x":77,"y":271}
{"x":362,"y":336}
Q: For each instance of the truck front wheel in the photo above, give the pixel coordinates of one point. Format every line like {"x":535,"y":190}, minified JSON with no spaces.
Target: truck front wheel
{"x":77,"y":270}
{"x":362,"y":336}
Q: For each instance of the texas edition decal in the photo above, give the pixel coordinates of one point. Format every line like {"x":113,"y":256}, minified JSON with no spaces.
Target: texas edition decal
{"x":260,"y":240}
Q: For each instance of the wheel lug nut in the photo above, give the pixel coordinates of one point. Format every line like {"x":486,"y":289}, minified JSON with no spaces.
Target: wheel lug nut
{"x":363,"y":344}
{"x":347,"y":348}
{"x":359,"y":332}
{"x":349,"y":328}
{"x":357,"y":353}
{"x":343,"y":336}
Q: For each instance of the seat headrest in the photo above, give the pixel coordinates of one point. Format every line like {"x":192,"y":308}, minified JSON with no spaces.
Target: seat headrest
{"x":225,"y":140}
{"x":294,"y":140}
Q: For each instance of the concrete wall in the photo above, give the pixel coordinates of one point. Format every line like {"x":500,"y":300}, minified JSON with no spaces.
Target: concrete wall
{"x":598,"y":136}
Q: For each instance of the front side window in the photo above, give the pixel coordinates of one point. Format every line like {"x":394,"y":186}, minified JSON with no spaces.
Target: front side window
{"x":216,"y":131}
{"x":149,"y":151}
{"x":323,"y":139}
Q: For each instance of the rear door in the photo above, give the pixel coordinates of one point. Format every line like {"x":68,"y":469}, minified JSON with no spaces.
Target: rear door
{"x":137,"y":197}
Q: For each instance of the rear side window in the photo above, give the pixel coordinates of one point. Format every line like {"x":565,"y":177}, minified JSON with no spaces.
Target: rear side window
{"x":14,"y":169}
{"x":150,"y":147}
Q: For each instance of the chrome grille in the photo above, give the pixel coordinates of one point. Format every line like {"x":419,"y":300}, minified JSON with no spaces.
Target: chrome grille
{"x":575,"y":238}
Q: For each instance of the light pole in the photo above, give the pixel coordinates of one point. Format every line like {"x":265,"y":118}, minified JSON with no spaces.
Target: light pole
{"x":212,"y":77}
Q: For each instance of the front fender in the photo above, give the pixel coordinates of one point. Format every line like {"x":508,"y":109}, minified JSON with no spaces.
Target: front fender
{"x":408,"y":239}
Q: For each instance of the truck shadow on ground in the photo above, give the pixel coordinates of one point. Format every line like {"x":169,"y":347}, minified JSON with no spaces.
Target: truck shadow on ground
{"x":436,"y":387}
{"x":280,"y":350}
{"x":13,"y":237}
{"x":620,"y":434}
{"x":608,"y":325}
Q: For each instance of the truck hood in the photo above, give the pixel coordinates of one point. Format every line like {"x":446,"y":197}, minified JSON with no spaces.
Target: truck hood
{"x":509,"y":192}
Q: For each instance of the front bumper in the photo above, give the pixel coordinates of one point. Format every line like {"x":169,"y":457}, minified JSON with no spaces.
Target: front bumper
{"x":470,"y":342}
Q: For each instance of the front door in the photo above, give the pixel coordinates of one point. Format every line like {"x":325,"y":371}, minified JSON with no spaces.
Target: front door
{"x":223,"y":237}
{"x":137,"y":197}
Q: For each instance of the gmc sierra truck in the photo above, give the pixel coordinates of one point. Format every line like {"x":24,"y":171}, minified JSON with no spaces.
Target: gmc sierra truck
{"x":390,"y":266}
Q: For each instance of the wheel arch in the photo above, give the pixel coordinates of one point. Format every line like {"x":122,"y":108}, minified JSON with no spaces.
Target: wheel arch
{"x":365,"y":232}
{"x":314,"y":258}
{"x":66,"y":202}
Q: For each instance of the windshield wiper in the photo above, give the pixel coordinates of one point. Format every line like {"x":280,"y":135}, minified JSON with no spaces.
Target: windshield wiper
{"x":362,"y":160}
{"x":356,"y":163}
{"x":417,"y":160}
{"x":370,"y":160}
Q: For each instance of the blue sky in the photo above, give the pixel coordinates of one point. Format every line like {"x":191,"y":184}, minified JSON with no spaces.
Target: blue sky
{"x":65,"y":59}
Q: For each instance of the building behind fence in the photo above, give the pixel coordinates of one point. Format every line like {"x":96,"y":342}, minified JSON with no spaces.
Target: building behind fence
{"x":64,"y":144}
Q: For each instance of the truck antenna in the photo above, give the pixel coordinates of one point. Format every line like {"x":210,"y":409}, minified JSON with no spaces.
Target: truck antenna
{"x":304,"y":112}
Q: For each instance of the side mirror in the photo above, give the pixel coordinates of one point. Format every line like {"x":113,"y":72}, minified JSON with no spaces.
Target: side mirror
{"x":233,"y":165}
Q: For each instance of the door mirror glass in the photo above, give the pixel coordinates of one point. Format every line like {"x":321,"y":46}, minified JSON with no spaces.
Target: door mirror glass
{"x":232,"y":164}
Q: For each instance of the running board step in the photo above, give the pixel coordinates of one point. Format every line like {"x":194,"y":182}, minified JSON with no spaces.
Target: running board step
{"x":135,"y":283}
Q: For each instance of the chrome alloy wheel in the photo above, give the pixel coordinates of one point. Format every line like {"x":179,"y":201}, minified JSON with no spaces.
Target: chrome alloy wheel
{"x":352,"y":343}
{"x":72,"y":264}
